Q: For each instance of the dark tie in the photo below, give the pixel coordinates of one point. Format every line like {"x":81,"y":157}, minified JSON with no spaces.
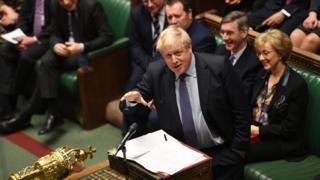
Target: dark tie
{"x":38,"y":15}
{"x":156,"y":26}
{"x":186,"y":114}
{"x":232,"y":58}
{"x":72,"y":25}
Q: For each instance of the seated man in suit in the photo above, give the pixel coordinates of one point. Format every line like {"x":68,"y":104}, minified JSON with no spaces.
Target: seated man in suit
{"x":199,"y":100}
{"x":146,"y":22}
{"x":179,"y":13}
{"x":16,"y":61}
{"x":234,"y":31}
{"x":283,"y":14}
{"x":78,"y":27}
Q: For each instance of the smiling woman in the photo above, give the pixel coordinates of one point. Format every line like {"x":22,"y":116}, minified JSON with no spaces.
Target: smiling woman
{"x":278,"y":102}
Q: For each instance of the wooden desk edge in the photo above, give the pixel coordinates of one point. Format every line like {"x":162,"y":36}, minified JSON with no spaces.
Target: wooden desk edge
{"x":88,"y":170}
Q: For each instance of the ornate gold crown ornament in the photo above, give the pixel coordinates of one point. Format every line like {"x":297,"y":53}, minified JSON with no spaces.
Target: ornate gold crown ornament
{"x":56,"y":165}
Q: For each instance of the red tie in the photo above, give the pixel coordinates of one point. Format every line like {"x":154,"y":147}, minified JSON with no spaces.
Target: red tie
{"x":288,"y":2}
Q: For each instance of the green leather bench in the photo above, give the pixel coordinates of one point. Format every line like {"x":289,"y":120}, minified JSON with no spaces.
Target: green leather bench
{"x":104,"y":79}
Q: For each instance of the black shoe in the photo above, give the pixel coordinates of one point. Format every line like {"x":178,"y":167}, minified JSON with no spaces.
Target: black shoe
{"x":4,"y":116}
{"x":14,"y":125}
{"x":51,"y":123}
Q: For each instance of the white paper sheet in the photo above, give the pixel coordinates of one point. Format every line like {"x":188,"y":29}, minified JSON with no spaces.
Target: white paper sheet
{"x":156,"y":154}
{"x":11,"y":36}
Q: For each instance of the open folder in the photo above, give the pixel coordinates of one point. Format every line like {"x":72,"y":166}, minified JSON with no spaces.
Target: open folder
{"x":159,"y":152}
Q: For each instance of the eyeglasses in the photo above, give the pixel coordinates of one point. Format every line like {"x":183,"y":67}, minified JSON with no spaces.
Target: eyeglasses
{"x":227,"y":33}
{"x":264,"y":53}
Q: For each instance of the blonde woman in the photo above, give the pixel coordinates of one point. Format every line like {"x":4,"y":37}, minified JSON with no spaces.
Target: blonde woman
{"x":279,"y":101}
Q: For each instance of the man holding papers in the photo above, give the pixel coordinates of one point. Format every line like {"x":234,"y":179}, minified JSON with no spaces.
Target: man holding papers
{"x":16,"y":60}
{"x":199,"y":100}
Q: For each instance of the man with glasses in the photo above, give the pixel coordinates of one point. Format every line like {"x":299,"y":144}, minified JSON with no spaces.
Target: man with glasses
{"x":234,"y":31}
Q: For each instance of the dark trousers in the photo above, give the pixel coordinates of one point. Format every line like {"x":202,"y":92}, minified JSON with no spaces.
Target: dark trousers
{"x":264,"y":151}
{"x":50,"y":70}
{"x":16,"y":68}
{"x":25,"y":66}
{"x":227,"y":164}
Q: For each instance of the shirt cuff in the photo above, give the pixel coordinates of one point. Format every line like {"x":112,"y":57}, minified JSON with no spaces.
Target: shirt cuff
{"x":131,"y":104}
{"x":82,"y":47}
{"x":285,"y":12}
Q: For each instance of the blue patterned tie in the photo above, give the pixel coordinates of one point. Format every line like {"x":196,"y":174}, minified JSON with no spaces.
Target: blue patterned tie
{"x":186,"y":114}
{"x":156,"y":32}
{"x":38,"y":17}
{"x":232,"y":58}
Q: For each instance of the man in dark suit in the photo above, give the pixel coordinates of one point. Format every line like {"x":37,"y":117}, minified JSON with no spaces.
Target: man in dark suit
{"x":236,"y":49}
{"x":179,"y":13}
{"x":199,"y":100}
{"x":16,"y":61}
{"x":146,"y":21}
{"x":285,"y":15}
{"x":78,"y":26}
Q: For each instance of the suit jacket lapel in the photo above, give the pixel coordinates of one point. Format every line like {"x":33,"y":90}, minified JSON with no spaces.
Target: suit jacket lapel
{"x":204,"y":79}
{"x":280,"y":91}
{"x":241,"y":64}
{"x":257,"y":88}
{"x":147,"y":22}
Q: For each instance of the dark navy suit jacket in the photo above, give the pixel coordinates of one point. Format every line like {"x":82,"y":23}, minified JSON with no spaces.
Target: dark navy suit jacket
{"x":246,"y":67}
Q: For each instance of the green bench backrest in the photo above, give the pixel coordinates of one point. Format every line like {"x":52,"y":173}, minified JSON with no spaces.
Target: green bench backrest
{"x":313,"y":110}
{"x":118,"y":15}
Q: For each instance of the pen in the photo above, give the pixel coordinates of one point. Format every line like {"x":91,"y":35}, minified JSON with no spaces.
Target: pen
{"x":165,"y":137}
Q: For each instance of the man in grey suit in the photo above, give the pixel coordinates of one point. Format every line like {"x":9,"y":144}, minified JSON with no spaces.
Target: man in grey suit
{"x":199,"y":100}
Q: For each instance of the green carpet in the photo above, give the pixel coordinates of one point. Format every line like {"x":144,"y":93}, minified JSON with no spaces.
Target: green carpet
{"x":13,"y":158}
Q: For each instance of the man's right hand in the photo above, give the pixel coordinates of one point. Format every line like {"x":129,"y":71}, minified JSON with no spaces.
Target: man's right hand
{"x":61,"y":50}
{"x":134,"y":96}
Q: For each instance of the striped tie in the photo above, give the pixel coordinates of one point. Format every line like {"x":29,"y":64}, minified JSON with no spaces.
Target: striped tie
{"x":156,"y":32}
{"x":232,"y":58}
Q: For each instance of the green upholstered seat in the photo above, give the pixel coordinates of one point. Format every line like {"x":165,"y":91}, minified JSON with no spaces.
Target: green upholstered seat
{"x":309,"y":167}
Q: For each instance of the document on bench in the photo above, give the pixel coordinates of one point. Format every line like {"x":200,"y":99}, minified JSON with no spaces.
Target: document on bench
{"x":160,"y":152}
{"x":11,"y":36}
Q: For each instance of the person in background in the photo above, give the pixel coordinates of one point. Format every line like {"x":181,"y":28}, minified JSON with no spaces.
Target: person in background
{"x":307,"y":35}
{"x":16,"y":61}
{"x":283,"y":14}
{"x":146,"y":22}
{"x":179,"y":13}
{"x":279,"y":102}
{"x":236,"y":49}
{"x":199,"y":100}
{"x":78,"y":27}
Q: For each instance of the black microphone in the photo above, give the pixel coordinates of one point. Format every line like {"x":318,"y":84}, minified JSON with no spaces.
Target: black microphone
{"x":132,"y":130}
